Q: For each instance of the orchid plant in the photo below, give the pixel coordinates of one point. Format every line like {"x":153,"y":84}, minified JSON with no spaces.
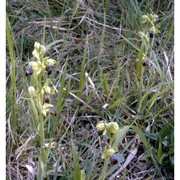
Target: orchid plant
{"x":112,"y":130}
{"x":39,"y":96}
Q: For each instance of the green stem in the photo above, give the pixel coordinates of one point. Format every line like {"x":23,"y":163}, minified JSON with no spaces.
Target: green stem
{"x":42,"y":159}
{"x":102,"y":176}
{"x":41,"y":131}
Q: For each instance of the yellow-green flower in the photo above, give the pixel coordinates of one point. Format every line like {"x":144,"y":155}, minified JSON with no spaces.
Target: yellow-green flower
{"x":112,"y":127}
{"x":46,"y":108}
{"x":38,"y":67}
{"x":47,"y":89}
{"x":100,"y":126}
{"x":48,"y":62}
{"x":108,"y":152}
{"x":42,"y":63}
{"x":153,"y":17}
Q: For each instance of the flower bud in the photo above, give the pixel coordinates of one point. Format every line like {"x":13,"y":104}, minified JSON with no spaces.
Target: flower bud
{"x":39,"y":51}
{"x":100,"y":126}
{"x":32,"y":91}
{"x":37,"y":45}
{"x":144,"y":19}
{"x":42,"y":50}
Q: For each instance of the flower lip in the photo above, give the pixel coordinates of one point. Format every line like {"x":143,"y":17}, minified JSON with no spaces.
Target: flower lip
{"x":152,"y":33}
{"x":49,"y":69}
{"x":47,"y":98}
{"x":113,"y":159}
{"x":52,"y":111}
{"x":29,"y":71}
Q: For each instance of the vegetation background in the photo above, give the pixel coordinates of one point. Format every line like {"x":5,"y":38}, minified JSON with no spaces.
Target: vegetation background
{"x":100,"y":38}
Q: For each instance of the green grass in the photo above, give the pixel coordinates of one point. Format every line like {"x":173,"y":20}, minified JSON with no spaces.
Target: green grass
{"x":99,"y":61}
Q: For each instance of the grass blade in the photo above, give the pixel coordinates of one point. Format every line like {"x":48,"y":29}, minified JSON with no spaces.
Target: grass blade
{"x":117,"y":103}
{"x":48,"y":46}
{"x":60,"y":98}
{"x":143,"y":139}
{"x":83,"y":80}
{"x":154,"y":98}
{"x":13,"y":73}
{"x":77,"y":172}
{"x":120,"y":136}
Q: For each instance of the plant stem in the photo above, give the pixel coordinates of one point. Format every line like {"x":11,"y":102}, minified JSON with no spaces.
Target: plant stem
{"x":102,"y":176}
{"x":42,"y":159}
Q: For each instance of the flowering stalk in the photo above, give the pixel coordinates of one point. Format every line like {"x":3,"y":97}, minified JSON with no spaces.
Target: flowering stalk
{"x":151,"y":23}
{"x":111,"y":130}
{"x":39,"y":94}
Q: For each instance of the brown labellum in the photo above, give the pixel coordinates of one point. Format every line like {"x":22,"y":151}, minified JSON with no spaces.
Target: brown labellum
{"x":113,"y":160}
{"x":49,"y":70}
{"x":151,"y":33}
{"x":52,"y":111}
{"x":29,"y":71}
{"x":47,"y":98}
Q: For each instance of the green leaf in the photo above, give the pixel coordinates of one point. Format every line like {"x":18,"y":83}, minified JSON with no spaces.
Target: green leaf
{"x":111,"y":170}
{"x":13,"y":73}
{"x":119,"y":157}
{"x":56,"y":170}
{"x":140,"y":61}
{"x":142,"y":103}
{"x":53,"y":43}
{"x":164,"y":139}
{"x":128,"y":41}
{"x":154,"y":98}
{"x":83,"y":175}
{"x":159,"y":151}
{"x":117,"y":103}
{"x":143,"y":139}
{"x":77,"y":172}
{"x":120,"y":135}
{"x":83,"y":80}
{"x":143,"y":99}
{"x":104,"y":82}
{"x":34,"y":110}
{"x":60,"y":98}
{"x":47,"y":150}
{"x":41,"y":170}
